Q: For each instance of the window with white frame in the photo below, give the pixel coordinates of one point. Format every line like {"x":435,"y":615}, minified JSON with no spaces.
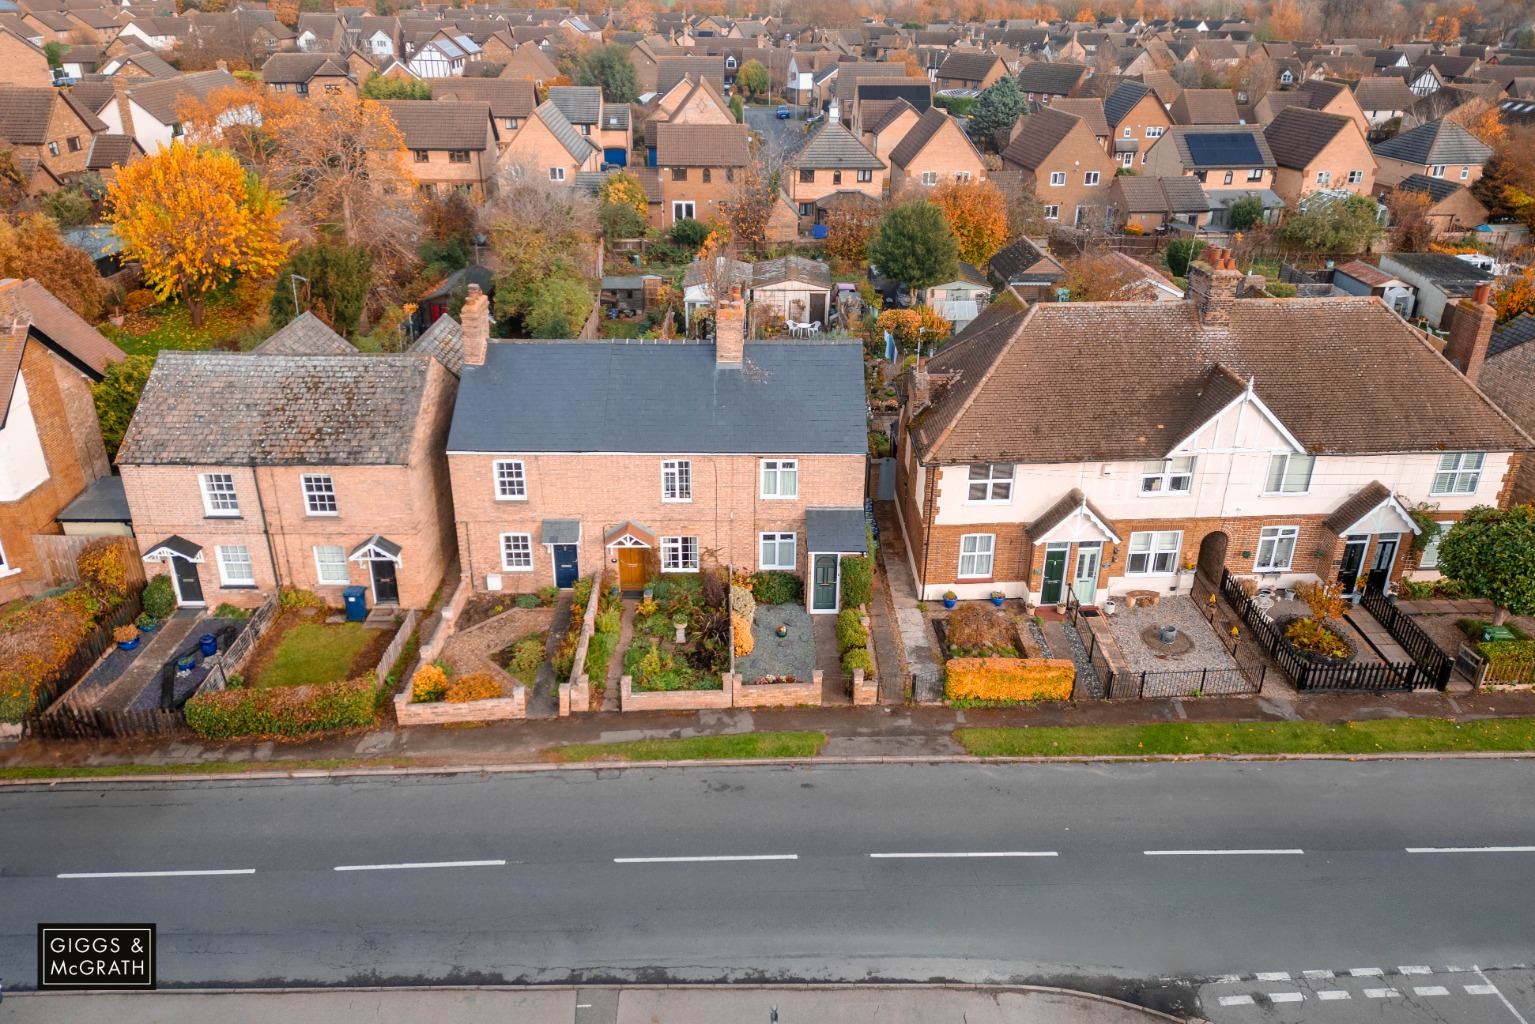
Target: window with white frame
{"x":1127,"y":131}
{"x":1090,"y":178}
{"x":319,"y":495}
{"x":1057,"y":177}
{"x":679,"y":554}
{"x":511,"y":480}
{"x":235,"y":568}
{"x":1324,"y":177}
{"x":1289,"y":473}
{"x":330,"y":564}
{"x":975,"y":554}
{"x":780,"y":478}
{"x":682,"y":210}
{"x":556,"y":174}
{"x":929,"y":177}
{"x":1168,"y":476}
{"x":676,"y":480}
{"x":1430,"y":559}
{"x":5,"y":568}
{"x":1153,"y":131}
{"x":1459,"y":473}
{"x":1256,"y":174}
{"x":1276,"y":548}
{"x":1355,"y":177}
{"x":1436,"y":171}
{"x":1127,"y":159}
{"x":866,"y":176}
{"x":777,"y":551}
{"x":517,"y":552}
{"x":1154,"y":553}
{"x":1227,"y":179}
{"x":991,"y":482}
{"x":219,"y":495}
{"x":1052,"y":213}
{"x":1465,"y":172}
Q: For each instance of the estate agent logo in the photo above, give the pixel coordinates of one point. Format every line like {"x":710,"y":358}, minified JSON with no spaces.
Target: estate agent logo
{"x":95,"y":956}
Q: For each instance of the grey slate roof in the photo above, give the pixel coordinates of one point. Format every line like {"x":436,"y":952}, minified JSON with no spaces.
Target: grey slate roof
{"x":441,"y":124}
{"x":102,"y":502}
{"x":560,"y":531}
{"x":841,"y":530}
{"x":1437,"y":189}
{"x":1023,"y":263}
{"x":305,"y":335}
{"x":790,"y":398}
{"x":835,"y":148}
{"x":577,"y":145}
{"x":791,"y":268}
{"x":1512,"y":334}
{"x":443,"y":341}
{"x":581,"y":104}
{"x":215,"y":408}
{"x":1439,"y":142}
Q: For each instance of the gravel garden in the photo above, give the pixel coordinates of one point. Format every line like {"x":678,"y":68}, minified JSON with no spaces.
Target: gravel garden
{"x":681,"y":634}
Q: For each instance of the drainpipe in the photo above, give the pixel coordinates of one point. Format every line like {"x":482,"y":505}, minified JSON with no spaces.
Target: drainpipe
{"x":266,"y":531}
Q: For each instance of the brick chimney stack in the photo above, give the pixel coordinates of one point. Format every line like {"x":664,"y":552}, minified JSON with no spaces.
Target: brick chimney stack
{"x":1470,"y":331}
{"x":1214,"y":282}
{"x":475,"y":321}
{"x":730,"y":329}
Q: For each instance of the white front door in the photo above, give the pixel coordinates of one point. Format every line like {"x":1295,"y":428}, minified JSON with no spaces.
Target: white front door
{"x":1085,"y":582}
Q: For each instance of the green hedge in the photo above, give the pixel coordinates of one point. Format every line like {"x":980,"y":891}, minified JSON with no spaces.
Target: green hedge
{"x":283,"y":710}
{"x":850,"y":632}
{"x":857,"y":581}
{"x":959,"y":106}
{"x":777,"y":588}
{"x":857,"y":658}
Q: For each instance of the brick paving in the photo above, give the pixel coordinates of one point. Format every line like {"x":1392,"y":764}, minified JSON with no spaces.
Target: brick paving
{"x":889,"y":661}
{"x":829,"y":660}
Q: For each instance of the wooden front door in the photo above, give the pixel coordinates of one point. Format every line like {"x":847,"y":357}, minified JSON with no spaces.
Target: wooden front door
{"x":1055,"y":574}
{"x":631,"y":569}
{"x":189,"y":587}
{"x":386,"y":584}
{"x":1085,"y":585}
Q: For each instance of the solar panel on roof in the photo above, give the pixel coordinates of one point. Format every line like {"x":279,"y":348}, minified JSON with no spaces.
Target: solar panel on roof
{"x":1224,"y":149}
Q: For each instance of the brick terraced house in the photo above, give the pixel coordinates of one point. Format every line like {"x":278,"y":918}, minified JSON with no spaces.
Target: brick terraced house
{"x":669,"y":456}
{"x":1213,"y":435}
{"x":302,"y":464}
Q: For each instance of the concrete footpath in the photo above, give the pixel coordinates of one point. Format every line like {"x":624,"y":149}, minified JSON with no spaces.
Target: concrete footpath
{"x":916,"y":1004}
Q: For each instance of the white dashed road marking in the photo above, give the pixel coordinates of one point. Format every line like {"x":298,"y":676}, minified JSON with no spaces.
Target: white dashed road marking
{"x":1431,"y":990}
{"x":987,"y":853}
{"x":156,"y":874}
{"x":1366,"y":972}
{"x":1471,"y":849}
{"x":423,"y":864}
{"x":1481,"y":990}
{"x":1331,"y":994}
{"x":1236,"y":1000}
{"x":1273,"y":976}
{"x":1415,"y":970}
{"x":1223,"y":853}
{"x":1506,"y":1004}
{"x":1286,"y":997}
{"x":1316,"y":975}
{"x":708,"y":860}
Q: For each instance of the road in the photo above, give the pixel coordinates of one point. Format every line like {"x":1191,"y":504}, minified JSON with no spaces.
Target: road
{"x":787,"y":135}
{"x":1170,"y":884}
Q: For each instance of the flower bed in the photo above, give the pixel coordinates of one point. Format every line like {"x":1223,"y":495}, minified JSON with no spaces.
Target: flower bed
{"x":283,"y":711}
{"x":655,"y":661}
{"x":1315,"y":641}
{"x":436,"y":696}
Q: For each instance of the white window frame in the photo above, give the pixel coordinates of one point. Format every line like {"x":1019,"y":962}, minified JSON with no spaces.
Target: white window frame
{"x":683,"y":209}
{"x":1153,"y":131}
{"x":676,"y":480}
{"x":679,"y":554}
{"x":866,"y":176}
{"x":221,"y":552}
{"x":1057,"y":178}
{"x":1465,"y":172}
{"x":5,"y":567}
{"x":974,"y":548}
{"x":1052,"y":213}
{"x":1289,"y":461}
{"x":1355,"y":177}
{"x":1127,"y":131}
{"x":1255,"y":174}
{"x":1324,"y":178}
{"x":1436,"y":170}
{"x":777,"y":541}
{"x":1159,"y":550}
{"x":1453,"y":468}
{"x":929,"y":177}
{"x":1127,"y":159}
{"x":213,"y":496}
{"x":511,"y":479}
{"x":962,"y":176}
{"x":556,"y":174}
{"x":516,"y":552}
{"x":1091,"y":177}
{"x":990,"y":484}
{"x":338,"y":560}
{"x":1167,"y":476}
{"x":1274,"y":538}
{"x":320,"y":486}
{"x":1430,"y":558}
{"x":777,"y":467}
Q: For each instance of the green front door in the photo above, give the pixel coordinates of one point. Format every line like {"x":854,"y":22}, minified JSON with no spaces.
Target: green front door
{"x":824,"y":596}
{"x":1055,"y":575}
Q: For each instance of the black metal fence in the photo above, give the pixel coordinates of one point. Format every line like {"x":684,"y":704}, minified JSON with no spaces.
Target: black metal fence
{"x":1312,"y":675}
{"x":1411,"y":637}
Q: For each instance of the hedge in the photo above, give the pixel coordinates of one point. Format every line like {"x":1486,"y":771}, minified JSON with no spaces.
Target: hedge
{"x":282,"y":710}
{"x":856,"y":658}
{"x":775,"y":587}
{"x":1008,"y":678}
{"x":857,"y":581}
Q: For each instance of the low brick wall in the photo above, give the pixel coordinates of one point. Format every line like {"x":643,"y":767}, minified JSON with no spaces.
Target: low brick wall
{"x":440,"y":712}
{"x":670,"y":700}
{"x":865,"y":688}
{"x":431,"y":646}
{"x":776,"y":695}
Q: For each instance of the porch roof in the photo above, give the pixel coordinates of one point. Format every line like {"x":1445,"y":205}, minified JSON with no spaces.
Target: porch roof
{"x":1073,"y":504}
{"x":836,"y":529}
{"x":1368,"y":499}
{"x":630,"y":528}
{"x":560,"y":531}
{"x":175,"y":545}
{"x":376,"y":547}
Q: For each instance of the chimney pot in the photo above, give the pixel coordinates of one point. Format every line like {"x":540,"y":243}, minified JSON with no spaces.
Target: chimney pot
{"x":1483,"y":293}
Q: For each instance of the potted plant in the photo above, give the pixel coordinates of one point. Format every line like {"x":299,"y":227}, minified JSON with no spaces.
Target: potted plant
{"x":782,"y":630}
{"x":146,"y":623}
{"x":997,"y":597}
{"x":186,"y":663}
{"x":127,"y":637}
{"x":950,"y":599}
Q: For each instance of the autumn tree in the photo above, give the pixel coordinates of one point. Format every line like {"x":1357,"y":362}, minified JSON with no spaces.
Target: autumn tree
{"x":380,"y":87}
{"x":1340,"y":227}
{"x":624,"y":189}
{"x":753,"y":79}
{"x":33,"y":248}
{"x":1480,"y":117}
{"x":1411,"y":230}
{"x":448,"y":223}
{"x":1515,"y":297}
{"x":749,"y":208}
{"x":194,"y":218}
{"x":1097,"y":277}
{"x":977,"y":211}
{"x":915,"y":245}
{"x":850,"y":224}
{"x":545,"y":237}
{"x":232,"y":117}
{"x":117,"y":395}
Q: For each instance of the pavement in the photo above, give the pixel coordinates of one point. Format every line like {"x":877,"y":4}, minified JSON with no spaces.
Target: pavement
{"x":594,"y":1005}
{"x":1403,"y":994}
{"x":1145,"y":882}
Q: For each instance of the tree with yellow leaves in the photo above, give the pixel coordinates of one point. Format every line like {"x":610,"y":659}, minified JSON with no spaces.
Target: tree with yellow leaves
{"x":623,"y":188}
{"x":1480,"y":117}
{"x":194,"y":219}
{"x":1518,"y":296}
{"x":977,"y":211}
{"x":1084,"y":16}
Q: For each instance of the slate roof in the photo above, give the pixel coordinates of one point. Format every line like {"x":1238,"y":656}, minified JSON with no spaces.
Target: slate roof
{"x":701,"y":145}
{"x":508,"y":97}
{"x":1299,"y":134}
{"x":1437,"y":189}
{"x":152,"y":64}
{"x":789,"y":398}
{"x":835,"y":148}
{"x":1038,"y":136}
{"x":305,"y":335}
{"x":1438,"y":142}
{"x":292,"y":68}
{"x":217,"y":408}
{"x":441,"y":124}
{"x":93,"y":95}
{"x":104,"y":501}
{"x":918,"y":137}
{"x":1389,"y":93}
{"x":1300,"y":353}
{"x":1118,"y":104}
{"x":791,"y":268}
{"x":1205,"y":106}
{"x":1055,"y":79}
{"x":842,"y":530}
{"x":1450,"y":274}
{"x":27,"y":307}
{"x":1512,"y":334}
{"x":1023,"y":263}
{"x":443,"y":341}
{"x":577,"y":145}
{"x":581,"y":104}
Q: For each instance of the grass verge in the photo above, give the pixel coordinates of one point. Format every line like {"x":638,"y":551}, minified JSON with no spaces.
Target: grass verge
{"x":1393,"y":735}
{"x":212,"y":768}
{"x":699,"y":748}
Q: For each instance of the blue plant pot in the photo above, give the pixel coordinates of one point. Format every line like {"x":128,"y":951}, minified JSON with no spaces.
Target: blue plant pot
{"x":148,"y":628}
{"x":208,"y":643}
{"x":128,"y":645}
{"x":186,"y":663}
{"x":998,"y":601}
{"x":950,"y":602}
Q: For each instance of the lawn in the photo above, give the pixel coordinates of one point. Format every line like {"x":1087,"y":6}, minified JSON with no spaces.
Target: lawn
{"x":313,"y":653}
{"x":698,"y":748}
{"x":170,"y":326}
{"x":1395,"y":735}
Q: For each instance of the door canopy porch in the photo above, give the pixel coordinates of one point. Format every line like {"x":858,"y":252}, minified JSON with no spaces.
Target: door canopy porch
{"x":560,"y":531}
{"x":629,"y":534}
{"x":174,"y":547}
{"x":1373,"y":509}
{"x":836,"y":531}
{"x":376,"y":549}
{"x":1073,"y":518}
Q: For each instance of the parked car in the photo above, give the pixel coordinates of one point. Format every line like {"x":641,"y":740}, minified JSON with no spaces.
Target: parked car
{"x":783,"y":112}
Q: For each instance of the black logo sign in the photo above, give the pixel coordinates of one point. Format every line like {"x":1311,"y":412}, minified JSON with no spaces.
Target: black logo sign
{"x":95,"y":956}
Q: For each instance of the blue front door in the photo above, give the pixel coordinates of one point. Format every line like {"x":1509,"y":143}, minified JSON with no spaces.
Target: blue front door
{"x":617,"y":156}
{"x":565,"y":568}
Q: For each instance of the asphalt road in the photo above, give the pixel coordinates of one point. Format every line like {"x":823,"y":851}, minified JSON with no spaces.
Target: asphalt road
{"x":788,"y":135}
{"x":1172,"y":884}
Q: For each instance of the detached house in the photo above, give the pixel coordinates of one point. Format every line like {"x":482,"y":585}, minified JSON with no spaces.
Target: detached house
{"x":1044,"y":83}
{"x":1136,"y":120}
{"x":936,"y":149}
{"x":831,"y":164}
{"x":308,"y":74}
{"x":976,"y":71}
{"x":548,"y":145}
{"x":1063,"y":164}
{"x":742,"y":454}
{"x":302,"y":464}
{"x":697,"y":165}
{"x":1234,"y":455}
{"x":49,"y":133}
{"x":453,"y":145}
{"x":1440,"y":149}
{"x":50,"y":443}
{"x":1316,"y":151}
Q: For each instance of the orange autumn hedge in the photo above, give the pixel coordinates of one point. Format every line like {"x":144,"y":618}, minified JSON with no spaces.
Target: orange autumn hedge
{"x":1009,"y":678}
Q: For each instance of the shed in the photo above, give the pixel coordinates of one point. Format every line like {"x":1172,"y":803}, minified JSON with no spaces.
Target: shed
{"x":794,"y":288}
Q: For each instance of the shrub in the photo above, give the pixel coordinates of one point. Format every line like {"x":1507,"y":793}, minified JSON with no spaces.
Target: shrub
{"x":851,"y":633}
{"x":223,"y":611}
{"x":689,"y":233}
{"x":526,"y":601}
{"x":1324,"y":599}
{"x":599,"y":652}
{"x":979,"y":628}
{"x":857,"y":581}
{"x":101,"y":568}
{"x":1310,"y":635}
{"x":1180,"y":253}
{"x":138,"y":300}
{"x":282,"y":710}
{"x":609,"y":621}
{"x":1281,"y":290}
{"x":857,"y":658}
{"x":428,"y":685}
{"x":159,"y":598}
{"x":1507,"y":654}
{"x":547,"y":596}
{"x":742,"y":602}
{"x":741,"y":626}
{"x":291,"y":598}
{"x":527,"y":655}
{"x":1008,"y":679}
{"x":777,"y":587}
{"x":474,"y":686}
{"x":123,"y":634}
